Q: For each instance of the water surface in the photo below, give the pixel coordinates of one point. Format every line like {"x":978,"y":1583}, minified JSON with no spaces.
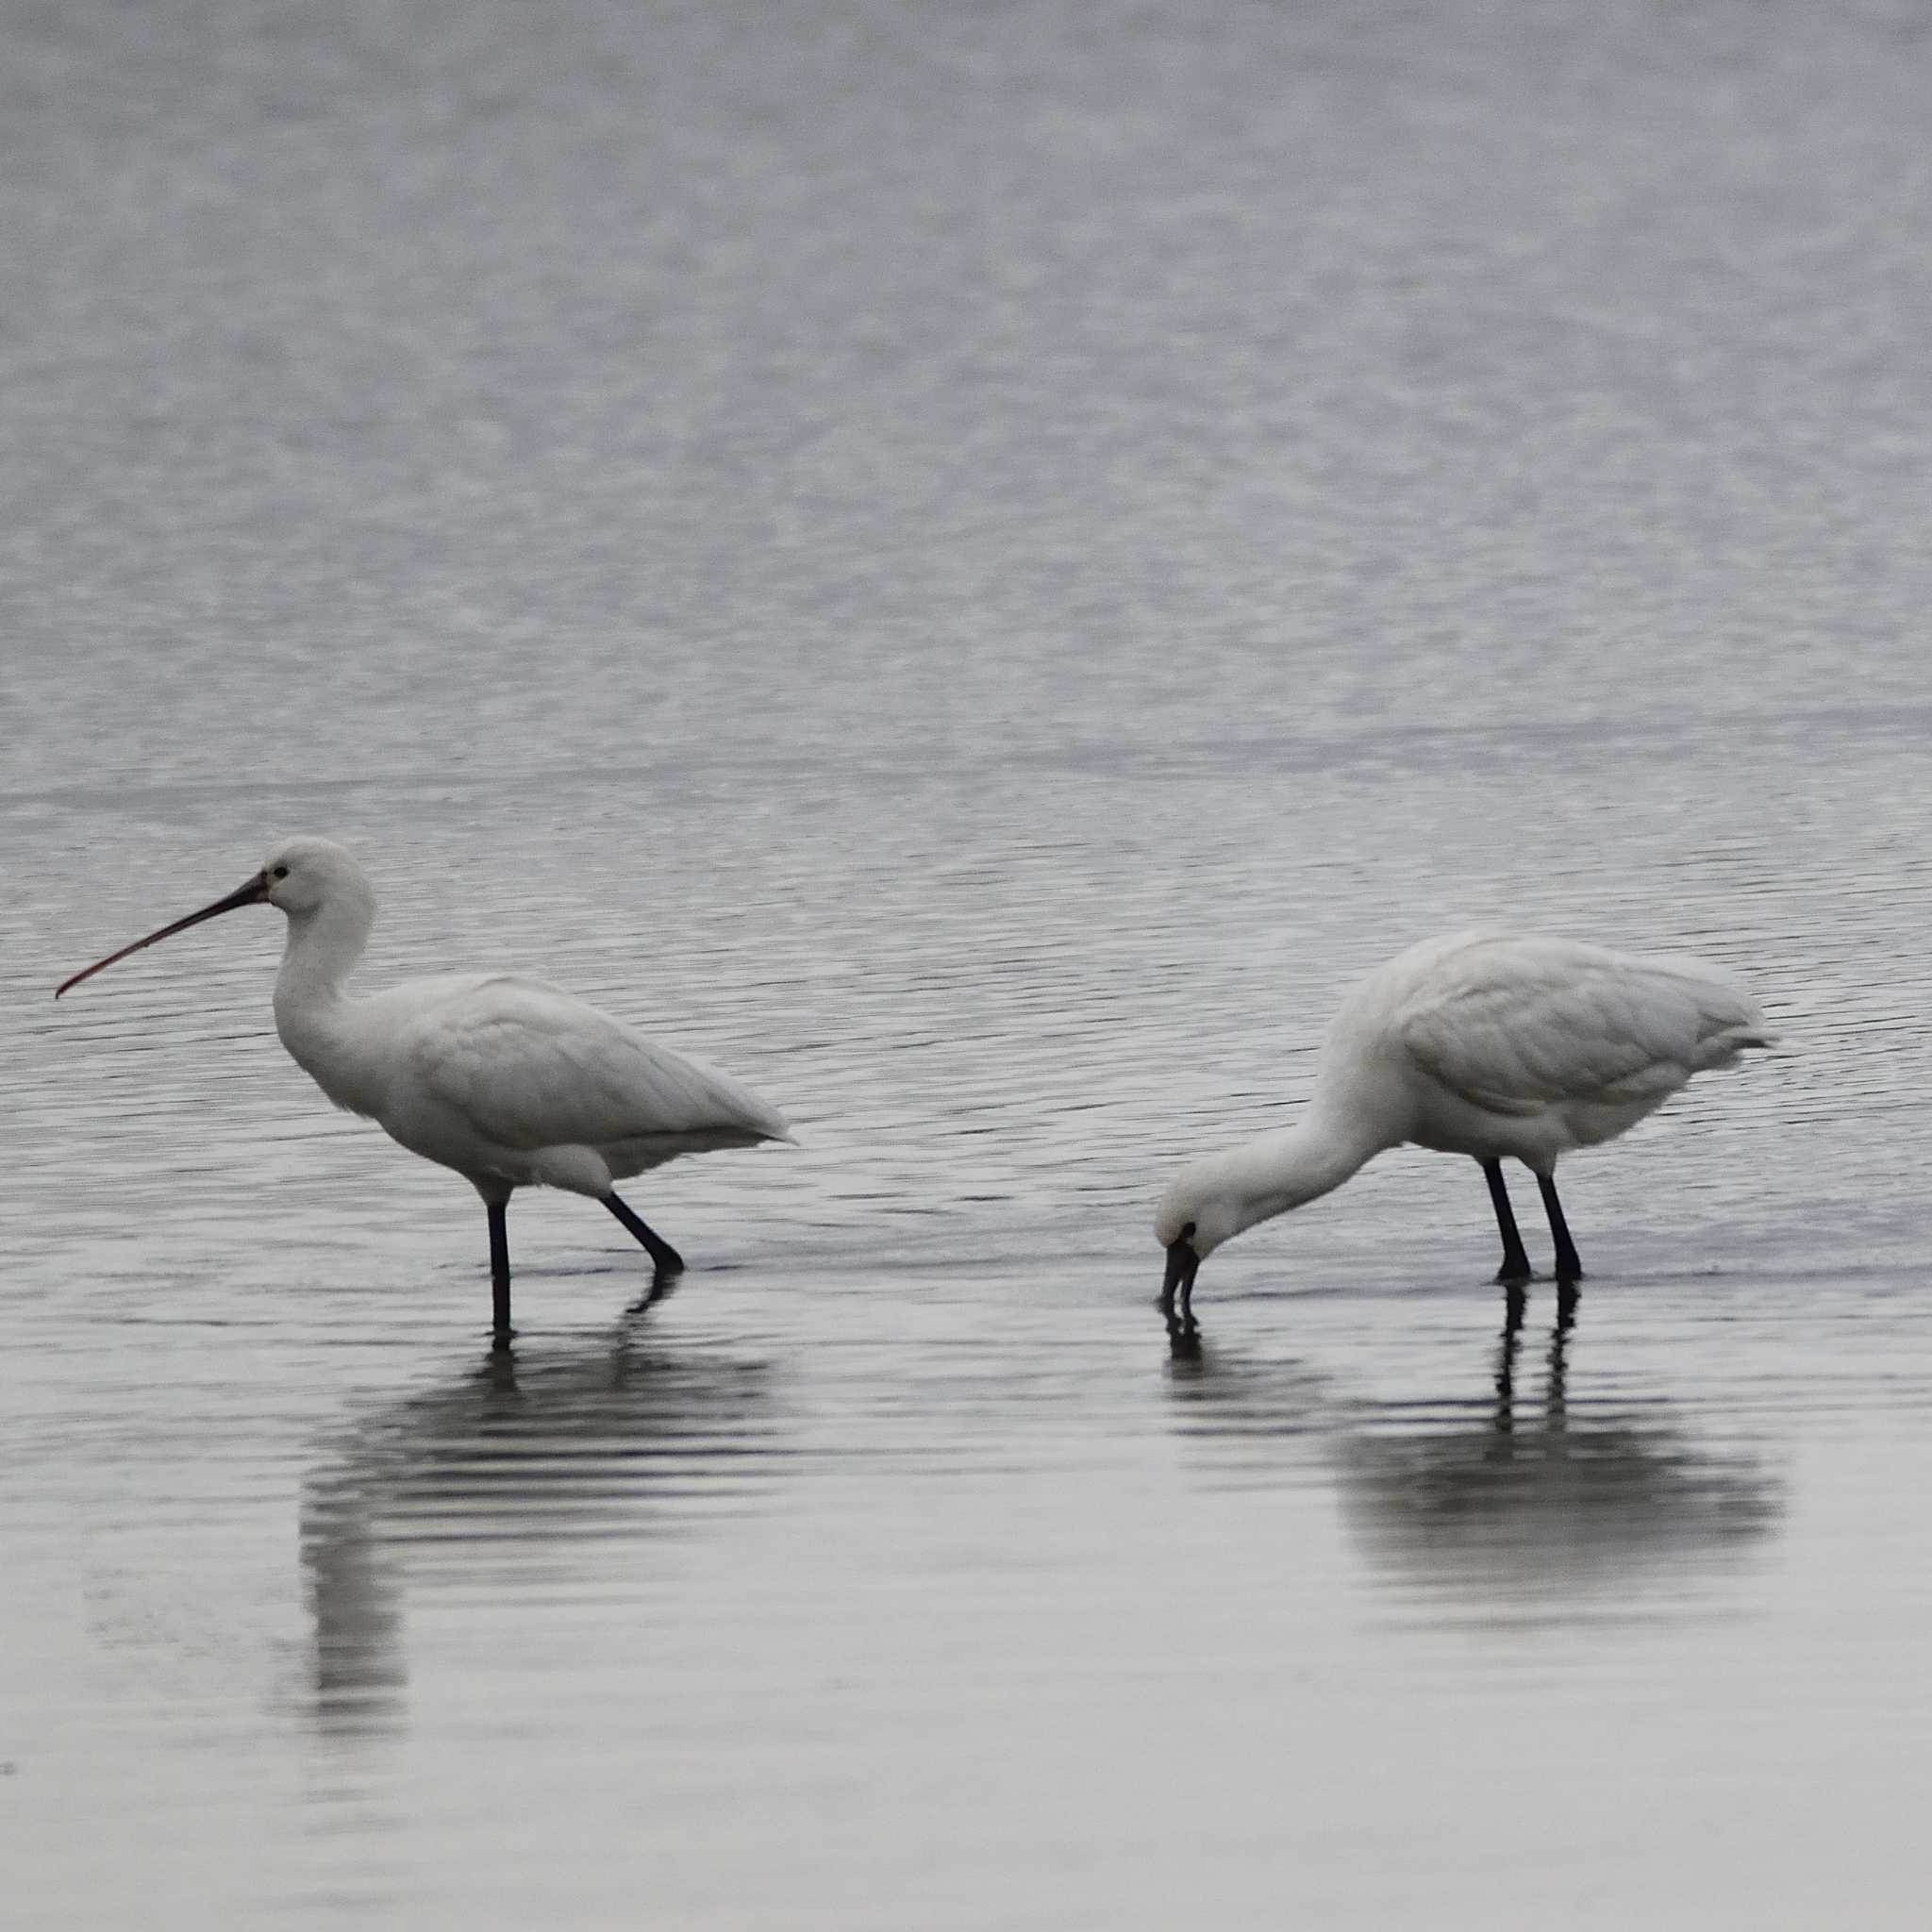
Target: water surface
{"x":973,"y":565}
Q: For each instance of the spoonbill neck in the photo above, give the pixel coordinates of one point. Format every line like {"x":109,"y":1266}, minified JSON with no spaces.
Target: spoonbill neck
{"x":324,"y":944}
{"x":1285,"y":1169}
{"x":324,"y":1029}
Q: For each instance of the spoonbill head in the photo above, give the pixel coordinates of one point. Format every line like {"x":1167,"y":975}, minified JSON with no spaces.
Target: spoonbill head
{"x":1201,"y":1208}
{"x":505,"y":1080}
{"x":296,"y":878}
{"x":1494,"y":1045}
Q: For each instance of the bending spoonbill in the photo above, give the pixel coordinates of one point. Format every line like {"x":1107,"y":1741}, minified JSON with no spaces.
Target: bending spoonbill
{"x":508,"y":1081}
{"x":1478,"y":1043}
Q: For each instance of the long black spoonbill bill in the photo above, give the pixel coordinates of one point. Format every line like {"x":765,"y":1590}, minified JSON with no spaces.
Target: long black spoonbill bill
{"x":508,"y":1081}
{"x":1486,"y":1044}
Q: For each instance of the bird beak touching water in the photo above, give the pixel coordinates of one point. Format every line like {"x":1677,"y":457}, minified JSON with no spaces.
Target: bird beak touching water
{"x":254,"y":893}
{"x":1181,"y":1263}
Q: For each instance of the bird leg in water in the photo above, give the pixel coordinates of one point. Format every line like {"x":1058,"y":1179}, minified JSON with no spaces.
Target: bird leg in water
{"x":499,"y":1271}
{"x":664,"y":1258}
{"x":1515,"y":1268}
{"x":1568,"y":1267}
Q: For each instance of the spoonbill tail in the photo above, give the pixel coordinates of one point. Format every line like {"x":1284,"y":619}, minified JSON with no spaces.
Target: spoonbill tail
{"x":508,"y":1081}
{"x":1479,"y":1043}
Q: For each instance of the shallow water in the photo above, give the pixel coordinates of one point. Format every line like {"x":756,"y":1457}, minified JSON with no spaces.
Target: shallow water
{"x":973,"y":566}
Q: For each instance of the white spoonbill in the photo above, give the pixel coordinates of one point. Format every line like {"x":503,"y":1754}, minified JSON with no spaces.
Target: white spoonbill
{"x":1480,"y":1044}
{"x":508,"y":1081}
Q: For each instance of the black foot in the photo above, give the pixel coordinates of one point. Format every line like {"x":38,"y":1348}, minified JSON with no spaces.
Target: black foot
{"x":664,"y":1258}
{"x":1567,"y":1298}
{"x":1515,"y":1272}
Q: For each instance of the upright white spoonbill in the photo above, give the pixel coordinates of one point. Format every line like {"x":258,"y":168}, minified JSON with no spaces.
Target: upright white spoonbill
{"x":1480,"y":1044}
{"x":508,"y":1081}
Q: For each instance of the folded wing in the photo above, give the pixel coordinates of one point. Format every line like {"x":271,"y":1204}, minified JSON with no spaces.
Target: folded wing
{"x":1518,"y":1025}
{"x":528,"y":1066}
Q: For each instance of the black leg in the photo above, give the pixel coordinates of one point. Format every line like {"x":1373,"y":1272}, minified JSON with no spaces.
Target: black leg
{"x":499,"y":1272}
{"x":1568,"y":1267}
{"x":664,"y":1258}
{"x":1515,"y":1268}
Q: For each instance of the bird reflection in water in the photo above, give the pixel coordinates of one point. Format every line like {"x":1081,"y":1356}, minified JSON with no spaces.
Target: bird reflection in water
{"x":1249,"y":1418}
{"x":1526,"y":1511}
{"x":1184,"y":1332}
{"x":507,"y":1479}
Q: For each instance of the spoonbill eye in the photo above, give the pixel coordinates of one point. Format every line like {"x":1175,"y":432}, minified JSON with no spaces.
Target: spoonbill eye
{"x":281,"y":872}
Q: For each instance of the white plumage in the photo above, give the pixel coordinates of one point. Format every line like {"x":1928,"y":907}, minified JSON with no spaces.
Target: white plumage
{"x":1487,"y":1044}
{"x":508,"y":1081}
{"x":510,"y":1071}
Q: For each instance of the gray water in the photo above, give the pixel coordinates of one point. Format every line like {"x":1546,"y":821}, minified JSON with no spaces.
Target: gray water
{"x":973,"y":565}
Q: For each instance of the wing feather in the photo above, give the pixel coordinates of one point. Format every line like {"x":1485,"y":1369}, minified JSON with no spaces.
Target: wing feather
{"x":528,"y":1067}
{"x":1518,"y":1025}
